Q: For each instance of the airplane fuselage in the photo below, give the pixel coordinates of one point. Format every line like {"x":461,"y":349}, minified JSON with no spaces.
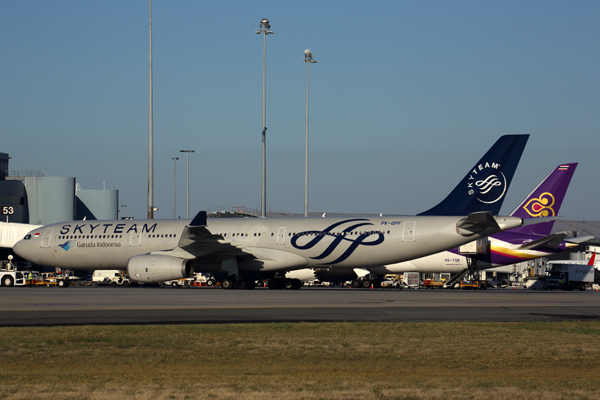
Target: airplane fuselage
{"x":274,"y":244}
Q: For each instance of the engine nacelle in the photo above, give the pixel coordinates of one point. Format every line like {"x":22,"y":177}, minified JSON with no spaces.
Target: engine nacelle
{"x":157,"y":268}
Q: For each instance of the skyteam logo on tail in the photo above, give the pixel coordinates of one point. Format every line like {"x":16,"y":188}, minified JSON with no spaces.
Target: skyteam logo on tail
{"x":67,"y":245}
{"x":487,"y":183}
{"x":541,"y":206}
{"x":347,"y":235}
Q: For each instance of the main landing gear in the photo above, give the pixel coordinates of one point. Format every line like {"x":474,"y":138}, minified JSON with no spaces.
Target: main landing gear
{"x":366,"y":283}
{"x":274,"y":283}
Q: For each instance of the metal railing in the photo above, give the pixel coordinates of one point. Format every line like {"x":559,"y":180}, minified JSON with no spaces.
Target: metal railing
{"x":24,"y":174}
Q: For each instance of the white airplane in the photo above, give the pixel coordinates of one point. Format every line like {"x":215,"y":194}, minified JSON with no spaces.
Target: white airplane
{"x":240,"y":251}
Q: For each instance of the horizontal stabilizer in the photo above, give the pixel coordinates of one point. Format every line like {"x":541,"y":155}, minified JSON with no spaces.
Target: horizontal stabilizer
{"x":580,"y":239}
{"x":550,"y":241}
{"x":476,"y":223}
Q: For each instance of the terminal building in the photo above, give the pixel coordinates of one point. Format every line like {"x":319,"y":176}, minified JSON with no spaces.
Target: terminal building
{"x":35,"y":198}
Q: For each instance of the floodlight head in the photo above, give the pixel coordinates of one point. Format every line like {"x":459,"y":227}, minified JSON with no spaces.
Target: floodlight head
{"x":265,"y":23}
{"x":307,"y":53}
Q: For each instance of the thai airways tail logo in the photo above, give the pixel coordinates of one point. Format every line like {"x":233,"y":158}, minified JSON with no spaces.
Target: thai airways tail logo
{"x":541,"y":206}
{"x":358,"y":239}
{"x":67,"y":245}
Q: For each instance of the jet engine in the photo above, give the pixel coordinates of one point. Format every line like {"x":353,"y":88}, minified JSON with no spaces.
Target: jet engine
{"x":158,"y":268}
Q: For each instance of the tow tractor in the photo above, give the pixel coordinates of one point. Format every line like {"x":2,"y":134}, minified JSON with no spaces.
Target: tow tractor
{"x":9,"y":276}
{"x":467,"y":285}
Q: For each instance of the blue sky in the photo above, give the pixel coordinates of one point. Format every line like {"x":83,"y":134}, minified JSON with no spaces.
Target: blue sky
{"x":405,"y":97}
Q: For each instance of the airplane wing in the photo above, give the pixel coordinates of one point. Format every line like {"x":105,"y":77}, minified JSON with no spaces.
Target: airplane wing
{"x":580,"y":239}
{"x":196,"y":241}
{"x":550,"y":241}
{"x":554,"y":240}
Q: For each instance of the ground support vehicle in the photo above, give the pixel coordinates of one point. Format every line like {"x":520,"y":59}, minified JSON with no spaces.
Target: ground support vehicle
{"x":568,"y":276}
{"x":12,"y":278}
{"x":467,"y":285}
{"x":392,"y":283}
{"x":411,"y":280}
{"x":432,"y":284}
{"x":111,"y":277}
{"x":177,"y":283}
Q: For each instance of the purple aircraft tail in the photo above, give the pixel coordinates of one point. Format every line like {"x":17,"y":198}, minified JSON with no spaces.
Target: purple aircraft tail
{"x":545,"y":200}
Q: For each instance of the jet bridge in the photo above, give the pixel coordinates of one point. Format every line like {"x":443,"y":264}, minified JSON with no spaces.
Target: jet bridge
{"x":11,"y":233}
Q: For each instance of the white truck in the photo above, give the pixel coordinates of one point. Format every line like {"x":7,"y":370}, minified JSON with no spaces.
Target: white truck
{"x":110,"y":277}
{"x":568,"y":275}
{"x":411,"y":280}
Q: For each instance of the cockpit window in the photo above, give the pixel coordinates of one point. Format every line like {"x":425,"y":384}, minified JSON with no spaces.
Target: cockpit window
{"x":27,"y":237}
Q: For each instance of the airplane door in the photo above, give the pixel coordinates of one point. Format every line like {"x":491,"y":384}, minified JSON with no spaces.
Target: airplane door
{"x":135,"y":239}
{"x":409,"y":231}
{"x":280,"y":236}
{"x":46,"y":237}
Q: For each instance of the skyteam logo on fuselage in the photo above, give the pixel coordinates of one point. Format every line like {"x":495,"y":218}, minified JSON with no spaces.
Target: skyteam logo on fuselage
{"x":67,"y":245}
{"x":347,"y":235}
{"x":487,"y":183}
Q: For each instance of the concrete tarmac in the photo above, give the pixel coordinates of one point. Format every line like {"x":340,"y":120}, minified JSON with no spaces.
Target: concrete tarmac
{"x":41,"y":306}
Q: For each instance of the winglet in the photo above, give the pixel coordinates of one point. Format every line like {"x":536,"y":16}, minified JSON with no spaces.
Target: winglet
{"x":199,"y":219}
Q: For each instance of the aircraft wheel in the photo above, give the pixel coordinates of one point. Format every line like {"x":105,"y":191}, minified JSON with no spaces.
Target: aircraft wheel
{"x":276,"y":283}
{"x":367,"y":284}
{"x":356,"y":283}
{"x":288,"y":284}
{"x":125,"y":284}
{"x":8,"y":281}
{"x":242,"y":284}
{"x":227,"y":283}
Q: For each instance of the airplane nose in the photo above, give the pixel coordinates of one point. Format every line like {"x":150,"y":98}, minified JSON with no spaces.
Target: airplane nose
{"x":19,"y":249}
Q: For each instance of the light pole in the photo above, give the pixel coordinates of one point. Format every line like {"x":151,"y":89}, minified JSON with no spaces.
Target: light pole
{"x":150,"y":135}
{"x":265,"y":29}
{"x":308,"y":59}
{"x":175,"y":159}
{"x":187,"y":152}
{"x":123,"y":206}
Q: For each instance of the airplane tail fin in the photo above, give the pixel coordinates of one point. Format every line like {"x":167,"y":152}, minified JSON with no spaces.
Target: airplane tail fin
{"x":593,"y":259}
{"x":545,"y":200}
{"x":485,"y":185}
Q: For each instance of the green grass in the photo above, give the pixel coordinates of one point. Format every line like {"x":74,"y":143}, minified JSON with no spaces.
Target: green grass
{"x":446,"y":360}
